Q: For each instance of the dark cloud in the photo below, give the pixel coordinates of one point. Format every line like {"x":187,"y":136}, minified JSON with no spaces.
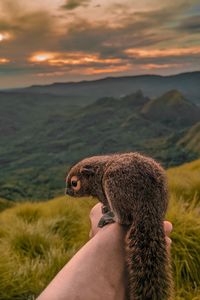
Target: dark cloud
{"x":30,"y":32}
{"x":51,"y":31}
{"x":136,"y":30}
{"x":131,"y":30}
{"x":72,"y":4}
{"x":190,"y":24}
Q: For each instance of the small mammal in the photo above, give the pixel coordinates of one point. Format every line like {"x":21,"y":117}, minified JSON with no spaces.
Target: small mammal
{"x":134,"y":188}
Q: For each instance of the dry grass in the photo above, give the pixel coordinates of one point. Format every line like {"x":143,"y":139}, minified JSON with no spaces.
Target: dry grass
{"x":37,"y":239}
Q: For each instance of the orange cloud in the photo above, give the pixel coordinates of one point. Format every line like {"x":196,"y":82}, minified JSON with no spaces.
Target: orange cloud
{"x":158,"y":66}
{"x":91,"y":71}
{"x":4,"y":36}
{"x":41,"y":57}
{"x":71,"y":58}
{"x":151,"y":53}
{"x":87,"y":71}
{"x":4,"y":60}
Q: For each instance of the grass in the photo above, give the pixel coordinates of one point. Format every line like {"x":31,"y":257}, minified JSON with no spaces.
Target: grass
{"x":185,"y":248}
{"x":37,"y":239}
{"x":184,"y":181}
{"x":4,"y":204}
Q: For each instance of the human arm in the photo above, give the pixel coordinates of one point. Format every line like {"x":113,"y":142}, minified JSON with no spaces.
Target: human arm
{"x":97,"y":271}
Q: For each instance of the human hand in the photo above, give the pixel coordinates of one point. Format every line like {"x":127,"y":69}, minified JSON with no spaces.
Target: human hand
{"x":96,"y":214}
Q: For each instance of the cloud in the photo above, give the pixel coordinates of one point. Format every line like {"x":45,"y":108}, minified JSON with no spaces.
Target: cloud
{"x":156,"y":28}
{"x":72,"y":4}
{"x":27,"y":32}
{"x":111,"y":39}
{"x":4,"y":60}
{"x":190,"y":24}
{"x":163,"y":53}
{"x":88,"y":41}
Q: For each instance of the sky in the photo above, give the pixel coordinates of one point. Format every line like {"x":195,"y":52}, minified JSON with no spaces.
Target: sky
{"x":46,"y":41}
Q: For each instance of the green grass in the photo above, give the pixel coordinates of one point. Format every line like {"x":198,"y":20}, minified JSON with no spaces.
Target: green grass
{"x":184,"y":181}
{"x":37,"y":239}
{"x":185,"y":248}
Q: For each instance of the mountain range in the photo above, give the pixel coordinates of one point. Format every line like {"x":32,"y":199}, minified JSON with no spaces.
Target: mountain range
{"x":85,"y":92}
{"x":43,"y":130}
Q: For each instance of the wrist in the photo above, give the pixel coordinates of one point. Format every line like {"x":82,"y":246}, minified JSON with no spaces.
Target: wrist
{"x":112,"y":231}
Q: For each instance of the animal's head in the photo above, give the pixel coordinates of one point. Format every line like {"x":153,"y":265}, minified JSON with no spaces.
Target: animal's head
{"x":85,"y":178}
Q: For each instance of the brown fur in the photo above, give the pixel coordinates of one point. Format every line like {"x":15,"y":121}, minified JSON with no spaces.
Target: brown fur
{"x":134,"y":187}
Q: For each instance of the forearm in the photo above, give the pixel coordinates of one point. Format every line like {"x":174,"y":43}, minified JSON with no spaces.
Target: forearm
{"x":96,"y":272}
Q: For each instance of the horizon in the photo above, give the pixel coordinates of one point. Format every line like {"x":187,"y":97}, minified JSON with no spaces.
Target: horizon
{"x":86,"y":40}
{"x":98,"y":79}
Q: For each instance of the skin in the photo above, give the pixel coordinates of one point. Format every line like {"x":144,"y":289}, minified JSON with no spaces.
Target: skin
{"x":93,"y":273}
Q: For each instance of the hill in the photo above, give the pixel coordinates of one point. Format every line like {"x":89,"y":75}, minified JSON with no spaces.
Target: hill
{"x":184,"y":181}
{"x":191,"y":140}
{"x":37,"y":239}
{"x":41,"y":137}
{"x":151,"y":85}
{"x":173,"y":109}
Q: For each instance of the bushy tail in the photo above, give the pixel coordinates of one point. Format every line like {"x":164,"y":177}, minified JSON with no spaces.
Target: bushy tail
{"x":148,"y":261}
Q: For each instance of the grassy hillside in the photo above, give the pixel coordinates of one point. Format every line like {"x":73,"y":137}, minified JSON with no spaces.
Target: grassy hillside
{"x":37,"y":239}
{"x":184,"y":182}
{"x":41,"y":136}
{"x":172,"y":108}
{"x":191,"y":140}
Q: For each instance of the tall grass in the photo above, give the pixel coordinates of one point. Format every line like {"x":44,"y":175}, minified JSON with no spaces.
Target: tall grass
{"x":184,"y":181}
{"x":185,"y":248}
{"x":37,"y":239}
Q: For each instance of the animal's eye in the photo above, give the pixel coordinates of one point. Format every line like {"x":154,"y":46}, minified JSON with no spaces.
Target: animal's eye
{"x":75,"y":183}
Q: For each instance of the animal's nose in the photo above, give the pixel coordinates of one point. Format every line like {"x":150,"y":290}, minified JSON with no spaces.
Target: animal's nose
{"x":69,"y":192}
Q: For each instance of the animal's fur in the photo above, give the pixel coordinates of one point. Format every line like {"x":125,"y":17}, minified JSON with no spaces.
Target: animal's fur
{"x":134,"y":187}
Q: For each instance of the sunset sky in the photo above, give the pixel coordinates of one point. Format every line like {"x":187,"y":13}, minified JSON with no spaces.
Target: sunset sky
{"x":44,"y":41}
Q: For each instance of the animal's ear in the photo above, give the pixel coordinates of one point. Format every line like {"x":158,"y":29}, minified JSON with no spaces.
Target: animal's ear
{"x":87,"y":170}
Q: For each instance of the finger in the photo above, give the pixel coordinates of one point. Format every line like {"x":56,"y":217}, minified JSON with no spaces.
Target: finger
{"x":168,"y":244}
{"x":168,"y":241}
{"x":168,"y":227}
{"x":95,"y":211}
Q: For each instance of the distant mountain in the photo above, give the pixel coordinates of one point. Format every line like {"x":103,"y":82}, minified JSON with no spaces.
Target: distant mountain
{"x":172,"y":109}
{"x":41,"y":135}
{"x":86,"y":92}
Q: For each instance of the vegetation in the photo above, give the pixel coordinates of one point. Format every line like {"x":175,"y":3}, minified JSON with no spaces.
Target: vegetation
{"x":40,"y":136}
{"x":191,"y":140}
{"x":37,"y":239}
{"x":184,"y":182}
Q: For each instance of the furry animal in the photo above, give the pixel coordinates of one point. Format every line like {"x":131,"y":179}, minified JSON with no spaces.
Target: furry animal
{"x":134,"y":188}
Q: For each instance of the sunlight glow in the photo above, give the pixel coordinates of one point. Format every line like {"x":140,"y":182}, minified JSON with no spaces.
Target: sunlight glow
{"x":4,"y":36}
{"x":71,"y":58}
{"x":162,"y":52}
{"x":159,"y":66}
{"x":90,"y":71}
{"x":4,"y":60}
{"x":41,"y":57}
